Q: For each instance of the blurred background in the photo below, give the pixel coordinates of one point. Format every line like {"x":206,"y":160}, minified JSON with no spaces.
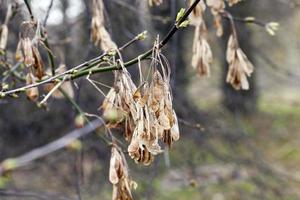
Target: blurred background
{"x":234,"y":144}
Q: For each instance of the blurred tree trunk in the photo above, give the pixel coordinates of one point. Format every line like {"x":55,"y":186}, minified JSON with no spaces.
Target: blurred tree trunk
{"x":243,"y":101}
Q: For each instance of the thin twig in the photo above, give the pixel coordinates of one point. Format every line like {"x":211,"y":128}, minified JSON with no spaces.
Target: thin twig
{"x":27,"y":3}
{"x":163,"y":20}
{"x":50,"y":56}
{"x":47,"y":13}
{"x":244,"y":20}
{"x":10,"y":71}
{"x":191,"y":125}
{"x":81,"y":112}
{"x":51,"y":92}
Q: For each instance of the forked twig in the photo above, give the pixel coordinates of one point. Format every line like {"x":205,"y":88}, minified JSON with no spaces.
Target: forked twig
{"x":55,"y":88}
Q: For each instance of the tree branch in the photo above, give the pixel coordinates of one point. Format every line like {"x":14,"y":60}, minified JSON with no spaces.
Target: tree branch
{"x":27,"y":3}
{"x":47,"y":13}
{"x":25,"y":159}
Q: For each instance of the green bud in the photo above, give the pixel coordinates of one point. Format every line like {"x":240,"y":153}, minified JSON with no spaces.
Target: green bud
{"x":180,"y":14}
{"x":184,"y":24}
{"x":142,"y":35}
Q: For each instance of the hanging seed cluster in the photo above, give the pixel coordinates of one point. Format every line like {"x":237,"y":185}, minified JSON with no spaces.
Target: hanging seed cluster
{"x":148,"y":110}
{"x":202,"y":54}
{"x":28,"y":53}
{"x":119,"y":176}
{"x":99,"y":34}
{"x":239,"y":66}
{"x":27,"y":50}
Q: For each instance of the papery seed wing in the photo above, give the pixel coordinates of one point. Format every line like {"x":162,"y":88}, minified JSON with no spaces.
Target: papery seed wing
{"x":113,"y":175}
{"x":244,"y":82}
{"x":109,"y":99}
{"x":19,"y":54}
{"x":38,"y":63}
{"x":27,"y":51}
{"x":153,"y":147}
{"x":164,"y":121}
{"x":3,"y":36}
{"x":175,"y":128}
{"x":106,"y":42}
{"x":137,"y":94}
{"x":245,"y":63}
{"x":231,"y":51}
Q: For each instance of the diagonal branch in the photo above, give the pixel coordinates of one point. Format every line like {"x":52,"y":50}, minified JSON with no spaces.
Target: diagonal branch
{"x":13,"y":163}
{"x":47,"y":13}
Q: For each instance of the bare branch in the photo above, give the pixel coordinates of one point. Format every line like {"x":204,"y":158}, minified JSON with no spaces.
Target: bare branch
{"x":25,"y":159}
{"x":47,"y":14}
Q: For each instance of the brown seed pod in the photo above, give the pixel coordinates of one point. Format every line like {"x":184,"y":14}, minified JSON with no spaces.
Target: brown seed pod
{"x":119,"y":177}
{"x":239,"y":65}
{"x":27,"y":52}
{"x":99,"y":34}
{"x":38,"y":65}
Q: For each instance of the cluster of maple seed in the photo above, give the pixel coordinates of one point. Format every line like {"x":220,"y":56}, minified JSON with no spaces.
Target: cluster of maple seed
{"x":147,"y":109}
{"x":119,"y":175}
{"x":148,"y":117}
{"x":27,"y":52}
{"x":99,"y":34}
{"x":239,"y":65}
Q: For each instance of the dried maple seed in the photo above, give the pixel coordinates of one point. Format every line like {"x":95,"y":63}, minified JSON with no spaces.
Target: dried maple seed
{"x":99,"y":34}
{"x":239,"y":65}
